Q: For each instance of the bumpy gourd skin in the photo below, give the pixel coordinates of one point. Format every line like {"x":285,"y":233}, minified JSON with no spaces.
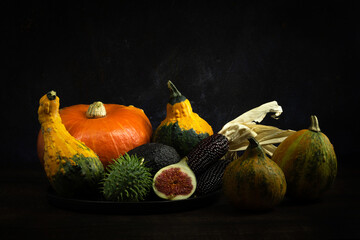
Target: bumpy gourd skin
{"x":182,"y":128}
{"x":71,"y":167}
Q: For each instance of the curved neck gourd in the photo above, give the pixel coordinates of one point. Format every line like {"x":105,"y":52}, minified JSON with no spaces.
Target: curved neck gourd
{"x":59,"y":145}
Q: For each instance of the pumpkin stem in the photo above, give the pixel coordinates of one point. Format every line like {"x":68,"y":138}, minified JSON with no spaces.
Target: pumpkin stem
{"x":253,"y":143}
{"x":314,"y":125}
{"x":255,"y":148}
{"x":96,"y":110}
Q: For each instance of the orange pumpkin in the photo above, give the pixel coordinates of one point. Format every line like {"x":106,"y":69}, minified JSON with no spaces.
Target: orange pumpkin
{"x":110,"y":130}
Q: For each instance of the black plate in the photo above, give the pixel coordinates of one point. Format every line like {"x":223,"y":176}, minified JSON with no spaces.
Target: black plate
{"x":144,"y":207}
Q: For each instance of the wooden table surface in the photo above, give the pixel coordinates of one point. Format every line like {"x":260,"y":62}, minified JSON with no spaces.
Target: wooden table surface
{"x":25,"y":211}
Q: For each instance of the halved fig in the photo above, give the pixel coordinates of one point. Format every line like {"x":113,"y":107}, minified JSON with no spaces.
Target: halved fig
{"x":175,"y":182}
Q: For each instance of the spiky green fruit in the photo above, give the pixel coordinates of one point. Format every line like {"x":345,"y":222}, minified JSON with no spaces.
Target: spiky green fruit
{"x":127,"y":179}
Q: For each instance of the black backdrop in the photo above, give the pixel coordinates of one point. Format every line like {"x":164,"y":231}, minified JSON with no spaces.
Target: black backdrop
{"x":226,"y":58}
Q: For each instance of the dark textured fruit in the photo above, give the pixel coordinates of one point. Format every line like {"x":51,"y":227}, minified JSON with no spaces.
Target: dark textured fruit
{"x":207,"y":152}
{"x":127,"y":180}
{"x":175,"y":182}
{"x":211,"y":180}
{"x":156,"y":155}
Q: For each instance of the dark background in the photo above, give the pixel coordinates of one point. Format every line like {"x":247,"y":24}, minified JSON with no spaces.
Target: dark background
{"x":226,"y":58}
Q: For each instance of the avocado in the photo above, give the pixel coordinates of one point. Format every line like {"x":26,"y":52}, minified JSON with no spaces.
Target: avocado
{"x":156,"y":155}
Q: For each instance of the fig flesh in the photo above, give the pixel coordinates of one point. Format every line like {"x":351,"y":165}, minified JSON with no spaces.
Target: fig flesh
{"x":175,"y":182}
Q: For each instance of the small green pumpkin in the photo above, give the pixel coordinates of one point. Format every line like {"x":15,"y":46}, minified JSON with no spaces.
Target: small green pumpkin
{"x":253,"y":181}
{"x":182,"y":128}
{"x":309,"y":162}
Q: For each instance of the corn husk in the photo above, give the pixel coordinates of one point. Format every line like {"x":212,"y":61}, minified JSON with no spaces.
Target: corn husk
{"x":246,"y":125}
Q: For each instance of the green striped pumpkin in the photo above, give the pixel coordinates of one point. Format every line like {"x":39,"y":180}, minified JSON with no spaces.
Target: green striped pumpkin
{"x":308,"y":161}
{"x":253,"y":181}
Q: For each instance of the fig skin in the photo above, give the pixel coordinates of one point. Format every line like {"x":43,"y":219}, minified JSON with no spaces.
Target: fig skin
{"x":184,"y":169}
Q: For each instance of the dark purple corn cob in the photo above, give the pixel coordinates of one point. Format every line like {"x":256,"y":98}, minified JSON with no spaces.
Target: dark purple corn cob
{"x":211,"y":180}
{"x":207,"y":152}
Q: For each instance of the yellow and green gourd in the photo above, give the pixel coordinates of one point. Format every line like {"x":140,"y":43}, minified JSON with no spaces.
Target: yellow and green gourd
{"x":72,"y":168}
{"x":308,"y":161}
{"x":182,"y":128}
